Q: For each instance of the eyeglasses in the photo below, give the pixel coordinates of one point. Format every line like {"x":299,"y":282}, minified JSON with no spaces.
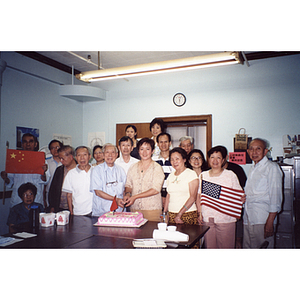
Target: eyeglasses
{"x":27,"y":195}
{"x":196,"y":158}
{"x":56,"y":147}
{"x":112,"y":183}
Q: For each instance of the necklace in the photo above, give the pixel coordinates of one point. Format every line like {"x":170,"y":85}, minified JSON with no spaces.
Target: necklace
{"x":144,"y":168}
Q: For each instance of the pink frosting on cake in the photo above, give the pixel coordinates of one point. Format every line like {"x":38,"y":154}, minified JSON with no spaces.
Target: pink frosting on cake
{"x":121,"y":218}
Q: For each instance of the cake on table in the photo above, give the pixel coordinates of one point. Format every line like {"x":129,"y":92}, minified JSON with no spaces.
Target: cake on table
{"x":122,"y":219}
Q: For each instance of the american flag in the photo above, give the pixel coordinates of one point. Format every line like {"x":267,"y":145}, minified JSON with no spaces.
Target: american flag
{"x":221,"y":198}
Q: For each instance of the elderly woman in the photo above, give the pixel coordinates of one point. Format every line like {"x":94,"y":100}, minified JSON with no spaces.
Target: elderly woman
{"x":144,"y":183}
{"x":222,"y":226}
{"x":182,"y":187}
{"x":19,"y":214}
{"x":196,"y":161}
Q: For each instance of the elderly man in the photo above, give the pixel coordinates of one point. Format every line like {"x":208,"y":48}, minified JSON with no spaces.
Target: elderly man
{"x":107,"y":181}
{"x":77,"y":184}
{"x":14,"y":181}
{"x":57,"y":198}
{"x":263,"y":197}
{"x":186,"y":143}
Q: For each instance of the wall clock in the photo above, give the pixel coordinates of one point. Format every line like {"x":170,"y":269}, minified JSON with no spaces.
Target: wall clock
{"x":179,"y":99}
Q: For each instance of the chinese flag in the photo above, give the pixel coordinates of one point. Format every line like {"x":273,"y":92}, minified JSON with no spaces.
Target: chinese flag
{"x":24,"y":162}
{"x":114,"y":205}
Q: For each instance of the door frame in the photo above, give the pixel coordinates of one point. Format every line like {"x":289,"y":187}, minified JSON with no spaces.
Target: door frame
{"x":192,"y":119}
{"x":169,"y":120}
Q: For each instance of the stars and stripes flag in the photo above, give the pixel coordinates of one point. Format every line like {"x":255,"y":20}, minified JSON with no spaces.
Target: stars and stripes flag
{"x":221,"y":198}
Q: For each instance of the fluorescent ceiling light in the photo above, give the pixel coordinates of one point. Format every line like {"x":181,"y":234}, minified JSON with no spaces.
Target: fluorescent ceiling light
{"x":197,"y":62}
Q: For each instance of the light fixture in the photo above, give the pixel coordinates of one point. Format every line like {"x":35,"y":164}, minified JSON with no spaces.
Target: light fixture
{"x":203,"y":61}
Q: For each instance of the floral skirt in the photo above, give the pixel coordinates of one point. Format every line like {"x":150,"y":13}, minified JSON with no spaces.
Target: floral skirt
{"x":190,"y":218}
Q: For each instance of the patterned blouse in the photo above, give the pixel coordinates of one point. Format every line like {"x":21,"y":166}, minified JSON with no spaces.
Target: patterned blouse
{"x":152,"y":178}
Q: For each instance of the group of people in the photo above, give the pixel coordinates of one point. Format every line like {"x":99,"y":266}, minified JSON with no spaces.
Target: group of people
{"x":150,"y":176}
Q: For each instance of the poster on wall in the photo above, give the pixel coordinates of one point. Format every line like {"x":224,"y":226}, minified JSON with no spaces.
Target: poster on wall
{"x":237,"y":157}
{"x":21,"y":131}
{"x":65,"y":139}
{"x":96,"y":138}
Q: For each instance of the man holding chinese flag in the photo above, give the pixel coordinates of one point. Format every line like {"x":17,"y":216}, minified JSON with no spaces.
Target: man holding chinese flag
{"x":24,"y":166}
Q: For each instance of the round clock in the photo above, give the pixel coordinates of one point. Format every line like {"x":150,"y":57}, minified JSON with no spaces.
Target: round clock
{"x":179,"y":99}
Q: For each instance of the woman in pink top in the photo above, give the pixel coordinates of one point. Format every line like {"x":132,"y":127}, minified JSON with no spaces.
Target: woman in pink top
{"x":221,"y":233}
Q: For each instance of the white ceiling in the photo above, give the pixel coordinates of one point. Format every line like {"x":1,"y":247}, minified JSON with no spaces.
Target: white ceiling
{"x":112,"y":59}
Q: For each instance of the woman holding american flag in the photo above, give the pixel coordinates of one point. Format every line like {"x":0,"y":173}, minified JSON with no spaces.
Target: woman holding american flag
{"x":221,"y":198}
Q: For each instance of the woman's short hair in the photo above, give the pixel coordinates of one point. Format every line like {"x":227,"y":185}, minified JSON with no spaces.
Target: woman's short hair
{"x":218,"y":149}
{"x":179,"y":150}
{"x":145,"y":141}
{"x":96,"y":147}
{"x":25,"y":187}
{"x":159,"y":122}
{"x":204,"y":166}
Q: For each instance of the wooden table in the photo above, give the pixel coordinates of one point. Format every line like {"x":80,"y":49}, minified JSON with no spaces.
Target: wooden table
{"x":81,"y":233}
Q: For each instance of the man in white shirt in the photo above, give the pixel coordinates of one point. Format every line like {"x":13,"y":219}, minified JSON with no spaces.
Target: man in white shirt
{"x":125,"y":147}
{"x":77,"y":184}
{"x":263,"y":197}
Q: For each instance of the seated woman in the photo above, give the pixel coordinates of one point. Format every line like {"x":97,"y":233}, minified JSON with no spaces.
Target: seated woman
{"x":98,"y":155}
{"x":182,"y":187}
{"x":221,"y":233}
{"x":19,"y":214}
{"x":196,"y":161}
{"x":144,"y":182}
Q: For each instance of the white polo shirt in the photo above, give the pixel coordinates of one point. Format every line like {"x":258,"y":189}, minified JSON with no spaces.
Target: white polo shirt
{"x":78,"y":182}
{"x":120,"y":162}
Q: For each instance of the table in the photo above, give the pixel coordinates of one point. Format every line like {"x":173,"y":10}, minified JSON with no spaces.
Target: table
{"x":81,"y":233}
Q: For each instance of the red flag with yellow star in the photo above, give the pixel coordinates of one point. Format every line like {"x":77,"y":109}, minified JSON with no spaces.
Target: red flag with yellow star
{"x":24,"y":162}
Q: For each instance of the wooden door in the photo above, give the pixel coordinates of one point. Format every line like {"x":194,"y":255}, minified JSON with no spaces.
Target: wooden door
{"x":143,"y":129}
